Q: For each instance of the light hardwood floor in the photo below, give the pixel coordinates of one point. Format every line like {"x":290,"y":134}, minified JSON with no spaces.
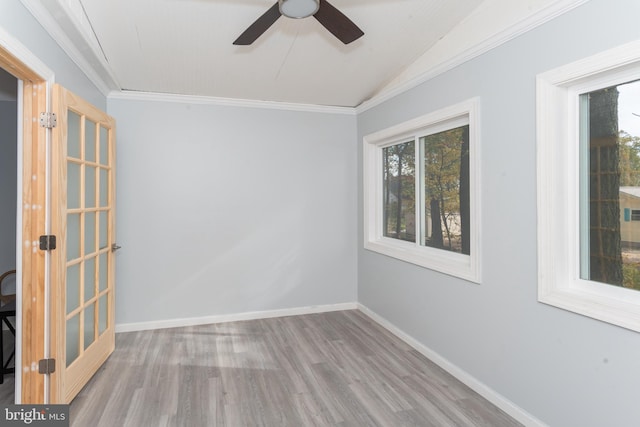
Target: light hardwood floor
{"x":330,"y":369}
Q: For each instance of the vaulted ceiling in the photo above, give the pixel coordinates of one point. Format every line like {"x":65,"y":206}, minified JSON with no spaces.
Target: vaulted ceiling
{"x":185,"y":46}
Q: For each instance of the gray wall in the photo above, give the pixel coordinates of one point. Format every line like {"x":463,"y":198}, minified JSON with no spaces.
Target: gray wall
{"x":21,"y":25}
{"x":8,"y":182}
{"x":565,"y":369}
{"x":225,"y":210}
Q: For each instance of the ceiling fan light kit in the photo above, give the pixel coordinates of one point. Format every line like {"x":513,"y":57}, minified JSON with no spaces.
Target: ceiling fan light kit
{"x":328,"y":16}
{"x":298,"y":8}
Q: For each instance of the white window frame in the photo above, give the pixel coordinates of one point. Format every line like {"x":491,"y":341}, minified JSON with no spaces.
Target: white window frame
{"x":558,"y":172}
{"x":452,"y":263}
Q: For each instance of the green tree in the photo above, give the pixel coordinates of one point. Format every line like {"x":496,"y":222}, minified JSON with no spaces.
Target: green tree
{"x":399,"y":190}
{"x":604,"y":188}
{"x":446,"y":165}
{"x":629,"y":147}
{"x":465,"y":193}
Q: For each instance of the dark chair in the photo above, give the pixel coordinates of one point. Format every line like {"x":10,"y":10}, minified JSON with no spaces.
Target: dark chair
{"x":6,"y":297}
{"x":7,"y":309}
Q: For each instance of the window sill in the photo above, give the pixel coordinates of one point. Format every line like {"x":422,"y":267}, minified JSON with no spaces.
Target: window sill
{"x":618,"y":306}
{"x":450,"y":263}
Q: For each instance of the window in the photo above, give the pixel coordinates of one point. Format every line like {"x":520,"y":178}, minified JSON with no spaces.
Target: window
{"x":399,"y":199}
{"x":421,"y":191}
{"x":589,"y":186}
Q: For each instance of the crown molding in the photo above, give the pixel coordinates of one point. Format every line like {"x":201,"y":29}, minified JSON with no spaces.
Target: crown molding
{"x":17,"y":49}
{"x":82,"y":49}
{"x":228,"y":102}
{"x":543,"y":16}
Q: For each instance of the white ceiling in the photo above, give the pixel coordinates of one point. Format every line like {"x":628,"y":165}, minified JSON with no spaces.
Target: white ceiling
{"x":185,"y":47}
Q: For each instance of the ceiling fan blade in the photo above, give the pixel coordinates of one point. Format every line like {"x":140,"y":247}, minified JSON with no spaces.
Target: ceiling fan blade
{"x":337,"y":24}
{"x":261,"y":25}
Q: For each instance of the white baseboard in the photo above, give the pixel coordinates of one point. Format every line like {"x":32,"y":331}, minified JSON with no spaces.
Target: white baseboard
{"x":483,"y":390}
{"x":488,"y":393}
{"x":253,"y":315}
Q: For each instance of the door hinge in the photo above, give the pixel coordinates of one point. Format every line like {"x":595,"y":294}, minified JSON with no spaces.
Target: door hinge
{"x":48,"y":120}
{"x":47,"y":242}
{"x":47,"y":366}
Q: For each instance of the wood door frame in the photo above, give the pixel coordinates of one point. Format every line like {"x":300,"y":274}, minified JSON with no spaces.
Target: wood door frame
{"x":33,"y":213}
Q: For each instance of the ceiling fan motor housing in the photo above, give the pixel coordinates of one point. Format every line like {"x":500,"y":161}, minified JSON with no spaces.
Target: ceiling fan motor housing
{"x":298,"y":8}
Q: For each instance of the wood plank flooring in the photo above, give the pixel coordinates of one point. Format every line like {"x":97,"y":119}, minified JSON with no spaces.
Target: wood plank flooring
{"x":329,"y":369}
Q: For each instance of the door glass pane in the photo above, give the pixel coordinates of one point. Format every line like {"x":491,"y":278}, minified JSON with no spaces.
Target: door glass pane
{"x":399,"y":191}
{"x":102,"y":315}
{"x":73,"y":287}
{"x":89,"y":141}
{"x":104,"y":272}
{"x":90,"y":233}
{"x":104,"y":233}
{"x":90,"y":187}
{"x":89,"y":279}
{"x":104,"y":188}
{"x":73,"y":135}
{"x":89,"y":321}
{"x":104,"y":146}
{"x":73,"y":339}
{"x":73,"y":185}
{"x":73,"y":236}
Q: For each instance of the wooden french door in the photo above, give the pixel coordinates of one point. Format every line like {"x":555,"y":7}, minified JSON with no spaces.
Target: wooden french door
{"x":82,"y":266}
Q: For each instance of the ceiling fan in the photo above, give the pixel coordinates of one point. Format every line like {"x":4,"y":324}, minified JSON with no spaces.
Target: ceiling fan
{"x":330,"y":17}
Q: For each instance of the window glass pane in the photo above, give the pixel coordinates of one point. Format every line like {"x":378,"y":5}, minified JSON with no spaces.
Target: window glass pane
{"x":103,"y":272}
{"x":104,"y":146}
{"x":73,"y":236}
{"x":73,"y":185}
{"x":73,"y":135}
{"x":73,"y":287}
{"x":89,"y":279}
{"x":398,"y":193}
{"x":90,"y":233}
{"x":89,"y":325}
{"x":103,"y":313}
{"x":445,"y":158}
{"x":73,"y":339}
{"x":104,"y":231}
{"x":89,"y":141}
{"x":104,"y":188}
{"x":610,"y":182}
{"x":90,"y":187}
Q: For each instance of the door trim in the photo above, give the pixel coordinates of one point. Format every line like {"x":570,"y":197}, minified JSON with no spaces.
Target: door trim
{"x":33,"y":160}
